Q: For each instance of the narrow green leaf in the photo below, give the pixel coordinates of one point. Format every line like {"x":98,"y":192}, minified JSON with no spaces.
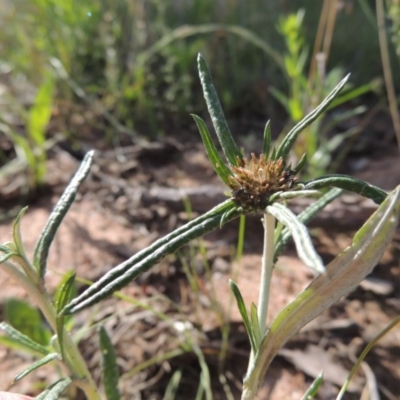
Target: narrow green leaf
{"x":19,"y":247}
{"x":65,"y":291}
{"x":58,"y":214}
{"x":19,"y":339}
{"x":219,"y":166}
{"x":64,"y":297}
{"x":273,"y":154}
{"x":227,"y":216}
{"x":172,"y":388}
{"x":40,"y":112}
{"x":8,"y":247}
{"x":58,"y":293}
{"x":205,"y":381}
{"x":301,"y":163}
{"x":6,"y":256}
{"x":109,"y":367}
{"x":305,"y":218}
{"x":304,"y":246}
{"x":27,"y":320}
{"x":267,"y":140}
{"x":288,"y":141}
{"x":17,"y":233}
{"x":255,"y":325}
{"x":348,"y":183}
{"x":55,"y":390}
{"x":364,"y":353}
{"x":130,"y":269}
{"x":312,"y":391}
{"x":293,"y":194}
{"x":243,"y":313}
{"x":43,"y":361}
{"x":225,"y":138}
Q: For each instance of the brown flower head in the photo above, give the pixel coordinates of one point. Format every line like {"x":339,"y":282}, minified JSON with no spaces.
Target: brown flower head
{"x":253,"y":182}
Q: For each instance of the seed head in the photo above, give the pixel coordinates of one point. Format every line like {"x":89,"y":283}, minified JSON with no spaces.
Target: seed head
{"x":253,"y":182}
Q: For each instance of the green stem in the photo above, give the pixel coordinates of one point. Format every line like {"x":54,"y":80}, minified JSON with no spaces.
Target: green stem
{"x":267,"y":264}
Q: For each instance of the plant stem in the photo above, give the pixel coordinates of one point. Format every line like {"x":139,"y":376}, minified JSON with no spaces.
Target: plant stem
{"x":267,"y":264}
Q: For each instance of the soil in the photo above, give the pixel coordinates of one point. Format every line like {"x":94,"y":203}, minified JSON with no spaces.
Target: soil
{"x":136,"y":194}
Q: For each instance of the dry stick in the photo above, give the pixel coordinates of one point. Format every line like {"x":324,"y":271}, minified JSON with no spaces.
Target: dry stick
{"x":323,"y":38}
{"x":387,"y":71}
{"x":318,"y":40}
{"x":330,"y":25}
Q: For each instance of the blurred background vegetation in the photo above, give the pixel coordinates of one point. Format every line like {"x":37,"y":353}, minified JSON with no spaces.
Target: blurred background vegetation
{"x":125,"y":70}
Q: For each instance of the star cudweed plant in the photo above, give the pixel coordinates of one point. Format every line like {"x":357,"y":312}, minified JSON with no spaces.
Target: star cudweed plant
{"x":261,"y":184}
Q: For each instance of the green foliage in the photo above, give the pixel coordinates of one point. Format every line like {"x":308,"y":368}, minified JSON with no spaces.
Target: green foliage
{"x":109,"y":366}
{"x":27,"y":329}
{"x":38,"y":118}
{"x":314,"y":387}
{"x":55,"y":390}
{"x":307,"y":89}
{"x":64,"y":295}
{"x":36,"y":365}
{"x":17,"y":340}
{"x":393,"y":11}
{"x":134,"y":61}
{"x":27,"y":320}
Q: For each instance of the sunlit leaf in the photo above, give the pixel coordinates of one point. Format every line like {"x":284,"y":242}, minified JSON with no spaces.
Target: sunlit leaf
{"x":304,"y":246}
{"x":305,"y":217}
